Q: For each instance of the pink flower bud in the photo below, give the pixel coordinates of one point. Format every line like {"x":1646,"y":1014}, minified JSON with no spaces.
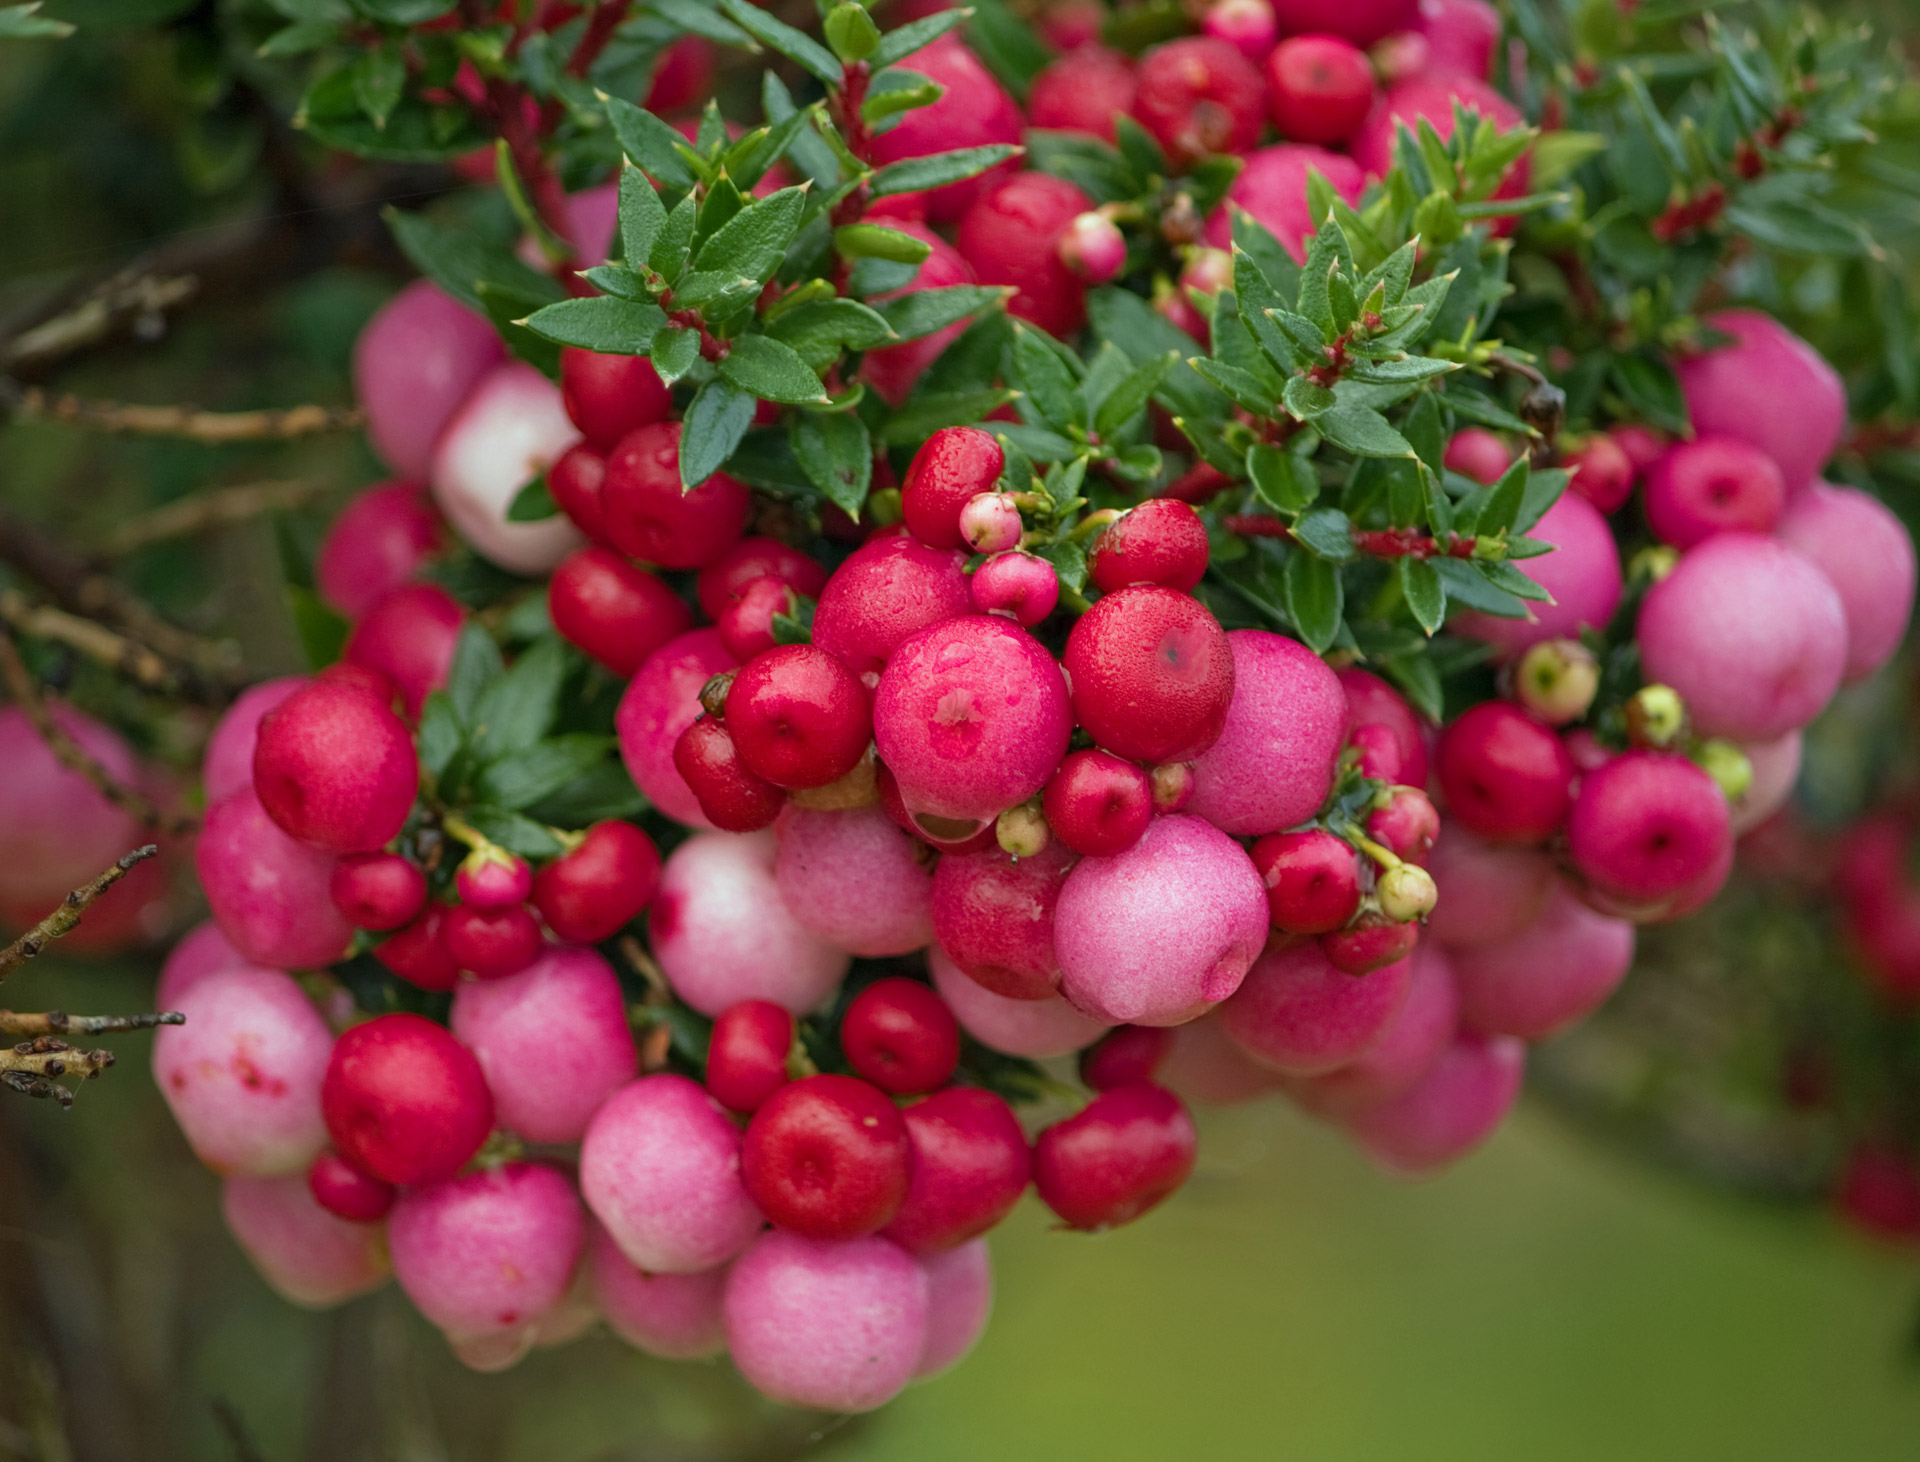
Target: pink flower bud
{"x":990,"y":523}
{"x":1093,"y":247}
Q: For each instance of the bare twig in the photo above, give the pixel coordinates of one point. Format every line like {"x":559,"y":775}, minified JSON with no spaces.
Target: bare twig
{"x":130,"y":296}
{"x":217,"y":509}
{"x":59,"y":1023}
{"x":91,"y":638}
{"x":63,"y":919}
{"x":33,"y":1068}
{"x":33,"y":404}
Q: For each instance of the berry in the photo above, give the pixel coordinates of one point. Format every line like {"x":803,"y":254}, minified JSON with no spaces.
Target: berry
{"x":1152,"y":674}
{"x":335,"y":767}
{"x":955,"y":464}
{"x":1460,"y":36}
{"x":732,"y":797}
{"x":415,"y":361}
{"x":1197,"y":96}
{"x":203,"y":950}
{"x":990,"y":523}
{"x":747,"y":1054}
{"x":1602,"y":471}
{"x":409,"y":637}
{"x":856,"y":880}
{"x":404,"y":1100}
{"x":574,"y":483}
{"x":1452,"y":1110}
{"x":970,"y":1166}
{"x":1477,"y":453}
{"x":1020,"y":586}
{"x":827,"y":1157}
{"x":378,"y":891}
{"x":1319,"y":88}
{"x":1555,"y":972}
{"x":959,"y":1299}
{"x":490,"y":944}
{"x":750,"y":559}
{"x":271,"y":896}
{"x":607,"y":396}
{"x":1083,"y":91}
{"x":1769,"y":388}
{"x":1034,"y":1028}
{"x":1373,"y":703}
{"x":674,"y":1316}
{"x":1098,"y":804}
{"x":682,"y":76}
{"x":899,"y":1035}
{"x":307,"y":1254}
{"x":1487,"y":892}
{"x":1373,"y":943}
{"x":886,"y":592}
{"x":1867,"y":555}
{"x":893,"y":370}
{"x":1125,"y":1055}
{"x":1582,"y":574}
{"x":993,"y":917}
{"x":1415,"y":1039}
{"x":1407,"y":826}
{"x":1272,"y":189}
{"x":974,"y":110}
{"x":1504,"y":775}
{"x":1118,"y":1157}
{"x":374,"y":546}
{"x":508,"y":432}
{"x":418,"y":953}
{"x":662,"y":700}
{"x":1093,"y":248}
{"x":1405,"y":893}
{"x":1273,"y":762}
{"x":1312,"y":880}
{"x":614,"y":610}
{"x":651,"y":517}
{"x":1361,"y":21}
{"x":1159,"y":542}
{"x":492,"y":878}
{"x":224,"y":770}
{"x":1556,"y":680}
{"x":1879,"y":1191}
{"x":799,"y":717}
{"x":346,"y":1192}
{"x":746,"y":625}
{"x":593,"y":891}
{"x":1298,"y":1014}
{"x":1011,"y":235}
{"x":1713,"y":485}
{"x":1646,"y":825}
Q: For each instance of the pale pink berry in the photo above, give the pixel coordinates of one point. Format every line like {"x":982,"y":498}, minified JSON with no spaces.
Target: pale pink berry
{"x":959,"y":1299}
{"x":1299,"y":1015}
{"x":243,"y":1075}
{"x":1557,"y":971}
{"x":228,"y":763}
{"x":409,"y":637}
{"x":510,"y":430}
{"x":1769,"y":388}
{"x":1582,"y":574}
{"x":1776,"y":767}
{"x":1093,"y":247}
{"x":855,"y":880}
{"x":990,"y":523}
{"x":1487,"y":893}
{"x":417,"y":359}
{"x":271,"y":895}
{"x":839,"y":1326}
{"x":203,"y":950}
{"x":1455,"y":1107}
{"x":674,"y":1316}
{"x":1035,"y":1029}
{"x":1246,"y":25}
{"x":661,"y":702}
{"x":1207,"y":1067}
{"x":60,"y":831}
{"x":1018,"y":585}
{"x":1274,"y":761}
{"x":660,"y":1168}
{"x":309,"y":1257}
{"x":1418,"y":1035}
{"x":1867,"y":555}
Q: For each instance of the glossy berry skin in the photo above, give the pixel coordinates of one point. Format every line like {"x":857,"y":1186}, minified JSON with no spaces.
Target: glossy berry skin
{"x":346,"y":1192}
{"x":990,"y":523}
{"x":1083,"y":91}
{"x":1713,"y":485}
{"x":799,"y":717}
{"x":1273,"y":763}
{"x":1646,"y":825}
{"x":1097,"y":804}
{"x":827,"y":1157}
{"x":1125,"y":1055}
{"x":750,"y":559}
{"x":649,"y":515}
{"x":951,"y":467}
{"x":886,"y":592}
{"x":404,"y":1100}
{"x":1319,"y":88}
{"x":746,"y":625}
{"x":378,"y":891}
{"x":1371,"y":944}
{"x":418,"y":954}
{"x":1602,"y":471}
{"x":335,"y":767}
{"x":1011,"y":235}
{"x":590,"y":893}
{"x":226,"y":767}
{"x":1505,"y":776}
{"x":374,"y":546}
{"x":1123,"y":1153}
{"x":491,"y":944}
{"x":747,"y":1054}
{"x":1312,"y":880}
{"x":574,"y":483}
{"x":1199,"y":95}
{"x":899,"y":1035}
{"x":409,"y":637}
{"x":734,"y":798}
{"x":1152,"y":674}
{"x":608,"y":396}
{"x":660,"y":703}
{"x":993,"y":917}
{"x":1408,"y":826}
{"x":614,"y":610}
{"x":508,"y":432}
{"x":1024,"y":588}
{"x":971,"y":1163}
{"x":1162,"y":541}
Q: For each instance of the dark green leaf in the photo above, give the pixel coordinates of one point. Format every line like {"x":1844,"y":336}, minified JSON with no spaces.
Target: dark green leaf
{"x":20,"y":23}
{"x":379,"y":77}
{"x":1413,"y":369}
{"x":606,"y":791}
{"x":819,"y":328}
{"x":897,"y":45}
{"x":1130,"y":396}
{"x":1069,"y":559}
{"x":697,"y":19}
{"x":923,"y":311}
{"x":323,"y":633}
{"x":1128,"y":321}
{"x":440,"y":736}
{"x":834,"y":450}
{"x":850,"y":31}
{"x":872,"y":241}
{"x":1362,"y":431}
{"x":1315,"y":599}
{"x":1425,"y":592}
{"x":518,"y":708}
{"x":1505,"y":576}
{"x":1007,"y":44}
{"x":403,"y":12}
{"x":917,"y":174}
{"x":1543,"y":491}
{"x":1426,"y":432}
{"x":457,"y":260}
{"x":1246,"y":389}
{"x":476,"y":665}
{"x":1044,"y":377}
{"x":651,"y":144}
{"x":674,"y":352}
{"x":755,"y":239}
{"x":1502,"y":507}
{"x":771,"y":371}
{"x":293,"y":40}
{"x":1284,"y":480}
{"x":643,"y":217}
{"x":1278,"y":270}
{"x":617,"y":279}
{"x":777,"y":35}
{"x":1327,"y":532}
{"x":716,"y":294}
{"x":668,"y":257}
{"x":515,"y":833}
{"x":522,"y":778}
{"x":716,"y":420}
{"x":922,"y":416}
{"x":533,"y":503}
{"x":606,"y":324}
{"x":1468,"y":588}
{"x":1307,"y":400}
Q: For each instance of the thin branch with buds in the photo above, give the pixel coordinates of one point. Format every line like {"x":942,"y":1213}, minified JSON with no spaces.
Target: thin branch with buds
{"x":59,"y":1023}
{"x":63,"y":919}
{"x":90,"y":638}
{"x":33,"y":1068}
{"x":213,"y":427}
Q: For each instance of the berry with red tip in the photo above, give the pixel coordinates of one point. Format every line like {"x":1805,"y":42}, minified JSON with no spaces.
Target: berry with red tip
{"x":346,"y":1192}
{"x":418,"y":952}
{"x":1407,"y":826}
{"x":1020,"y":586}
{"x":971,"y":1163}
{"x":990,"y":523}
{"x":491,"y":944}
{"x":1505,"y":776}
{"x":1083,"y":91}
{"x":1198,"y":96}
{"x":1117,"y":1158}
{"x":378,"y":891}
{"x":827,"y":1157}
{"x":1125,"y":1055}
{"x":899,"y":1035}
{"x":1319,"y":88}
{"x":652,"y":517}
{"x":1713,"y":485}
{"x":574,"y":483}
{"x":614,"y":610}
{"x":747,"y":1054}
{"x":608,"y":396}
{"x":1159,"y":542}
{"x":1603,"y":472}
{"x":799,"y":717}
{"x":335,"y":767}
{"x":734,"y":798}
{"x":1097,"y":804}
{"x":953,"y":466}
{"x":1371,"y":944}
{"x":1152,"y":674}
{"x":589,"y":893}
{"x":492,"y":878}
{"x":1312,"y":880}
{"x":404,"y":1101}
{"x":1011,"y":235}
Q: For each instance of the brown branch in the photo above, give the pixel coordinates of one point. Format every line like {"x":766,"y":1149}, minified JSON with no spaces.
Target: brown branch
{"x":91,"y":638}
{"x":129,"y":297}
{"x":215,"y":427}
{"x":59,"y":1023}
{"x":33,"y":1068}
{"x":63,"y":919}
{"x":217,"y":509}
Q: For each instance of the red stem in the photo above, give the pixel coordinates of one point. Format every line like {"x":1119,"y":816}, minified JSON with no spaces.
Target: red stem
{"x":1373,"y":542}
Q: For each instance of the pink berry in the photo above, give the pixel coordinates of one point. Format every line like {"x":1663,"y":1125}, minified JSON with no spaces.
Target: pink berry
{"x":1205,"y":1066}
{"x":1120,"y":1156}
{"x":569,"y":1000}
{"x":417,"y":359}
{"x":1299,"y":1015}
{"x":1879,"y":1191}
{"x":835,"y":1326}
{"x":1505,"y":776}
{"x":1479,"y":454}
{"x":1011,"y":235}
{"x":409,"y":637}
{"x":1713,"y":485}
{"x":1371,"y":943}
{"x":1582,"y":574}
{"x":943,"y":835}
{"x":1034,"y":1028}
{"x":1416,"y":1037}
{"x":404,"y":1100}
{"x":1124,"y":1055}
{"x":508,"y":432}
{"x":242,"y":1076}
{"x":593,"y":891}
{"x":1274,"y":760}
{"x":1460,"y":36}
{"x":1093,"y":248}
{"x":886,"y":592}
{"x":1083,"y":91}
{"x":1272,"y":189}
{"x":346,"y":1192}
{"x":1374,"y":703}
{"x":1159,"y":542}
{"x":1152,"y":674}
{"x":1024,"y":588}
{"x":746,"y":625}
{"x":722,"y":933}
{"x":954,"y":466}
{"x":270,"y":894}
{"x":1453,"y":1109}
{"x":974,"y":111}
{"x":899,"y":1035}
{"x":661,"y":702}
{"x":1770,"y":389}
{"x":203,"y":950}
{"x":1602,"y":471}
{"x":1488,"y":893}
{"x":747,"y":1054}
{"x":674,"y":1316}
{"x":492,"y":878}
{"x":660,"y":1168}
{"x":1361,"y":21}
{"x":990,"y":523}
{"x":1866,"y":553}
{"x":893,"y":369}
{"x":1312,"y":880}
{"x":970,"y":1166}
{"x":378,"y":891}
{"x":1646,"y":825}
{"x":228,"y":764}
{"x":856,"y":880}
{"x":614,"y":610}
{"x":651,"y":517}
{"x":1098,"y":804}
{"x":732,"y":796}
{"x":1407,"y":826}
{"x":335,"y":767}
{"x":608,"y":396}
{"x":993,"y":916}
{"x":1557,"y":971}
{"x":827,"y":1157}
{"x":310,"y":1257}
{"x":1198,"y":95}
{"x":60,"y":830}
{"x":959,"y":1299}
{"x":1319,"y":88}
{"x":417,"y":953}
{"x":1246,"y":25}
{"x":749,"y":560}
{"x":374,"y":546}
{"x":799,"y":717}
{"x":1750,"y":634}
{"x":491,"y":944}
{"x":1160,"y":932}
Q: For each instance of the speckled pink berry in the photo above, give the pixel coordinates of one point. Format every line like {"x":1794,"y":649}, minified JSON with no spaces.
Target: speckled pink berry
{"x":417,"y":359}
{"x":1035,"y":1029}
{"x":510,"y":430}
{"x":1769,"y":388}
{"x":959,"y":1300}
{"x":1555,"y":972}
{"x":1274,"y":762}
{"x":1713,"y":485}
{"x":308,"y":1256}
{"x":885,"y":593}
{"x":1158,"y":934}
{"x":271,"y":895}
{"x":1867,"y":555}
{"x":1582,"y":574}
{"x":855,"y":880}
{"x":1487,"y":892}
{"x":1646,"y":826}
{"x":661,"y":702}
{"x":674,"y":1316}
{"x":1418,"y":1035}
{"x":1024,"y":588}
{"x":409,"y":637}
{"x":335,"y":767}
{"x":228,"y":763}
{"x":1455,"y":1108}
{"x":1299,"y":1015}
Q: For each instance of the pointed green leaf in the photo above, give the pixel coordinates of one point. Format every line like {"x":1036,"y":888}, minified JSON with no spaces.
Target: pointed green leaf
{"x":1326,"y":532}
{"x":897,"y":45}
{"x":917,"y":174}
{"x":834,"y":451}
{"x":1284,"y":480}
{"x":1306,"y":400}
{"x":1047,"y":382}
{"x":1247,"y":390}
{"x":533,"y":503}
{"x":643,"y":217}
{"x":771,"y":371}
{"x":923,"y":311}
{"x":651,"y":144}
{"x":716,"y":420}
{"x":752,"y":243}
{"x":674,"y":352}
{"x":606,"y":324}
{"x":1425,"y":593}
{"x":1128,"y":399}
{"x":777,"y":35}
{"x":1362,"y":431}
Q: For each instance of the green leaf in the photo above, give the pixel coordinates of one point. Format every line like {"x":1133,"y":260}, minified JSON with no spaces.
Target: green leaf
{"x":1246,"y":389}
{"x":777,"y":35}
{"x":753,"y":242}
{"x":1426,"y":432}
{"x":1425,"y":592}
{"x":515,"y":833}
{"x":1412,"y":370}
{"x":819,"y":329}
{"x":458,"y":260}
{"x":606,"y":791}
{"x":833,"y":449}
{"x":771,"y":371}
{"x":417,"y":131}
{"x":1008,"y":45}
{"x":716,"y":420}
{"x":20,"y":23}
{"x":533,"y":503}
{"x":523,"y":777}
{"x":1128,"y":399}
{"x":674,"y":352}
{"x":1131,"y":323}
{"x":1419,"y":680}
{"x":850,"y":31}
{"x":668,"y":257}
{"x":322,"y":632}
{"x":643,"y":217}
{"x":918,"y":174}
{"x":716,"y":294}
{"x":617,"y":279}
{"x":1278,"y":269}
{"x":1502,"y":507}
{"x":1362,"y":431}
{"x":697,"y":19}
{"x":1315,"y":599}
{"x":518,"y":708}
{"x":1327,"y":532}
{"x":403,"y":12}
{"x":896,"y":91}
{"x":1801,"y":226}
{"x":923,"y":311}
{"x":1284,"y":480}
{"x":899,"y":44}
{"x":476,"y":665}
{"x":1543,"y":491}
{"x":379,"y":77}
{"x":440,"y":736}
{"x":606,"y":324}
{"x":1044,"y":377}
{"x":872,"y":241}
{"x":293,"y":40}
{"x":1506,"y":577}
{"x":922,"y":416}
{"x":1069,"y":559}
{"x":650,"y":144}
{"x":1307,"y":400}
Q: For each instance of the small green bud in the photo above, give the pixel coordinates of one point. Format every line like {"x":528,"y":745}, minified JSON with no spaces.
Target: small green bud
{"x":1728,"y":765}
{"x":1654,"y":564}
{"x":851,"y":32}
{"x":1406,"y":892}
{"x":871,"y":241}
{"x":883,"y":506}
{"x":1656,"y":717}
{"x":1022,"y":831}
{"x":1557,"y":680}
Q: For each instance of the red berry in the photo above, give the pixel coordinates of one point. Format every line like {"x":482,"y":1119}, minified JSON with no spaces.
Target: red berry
{"x":955,"y":463}
{"x":1320,"y":88}
{"x":493,"y":879}
{"x":1125,"y":1056}
{"x":1152,"y":674}
{"x":1406,"y":826}
{"x":799,"y":717}
{"x":405,"y":1101}
{"x":827,"y":1157}
{"x":747,"y":1054}
{"x":1477,"y":453}
{"x":1011,"y":235}
{"x":724,"y":580}
{"x":650,"y":516}
{"x":491,"y":944}
{"x":418,"y":953}
{"x":1505,"y":776}
{"x":1603,"y":472}
{"x":1375,"y":704}
{"x":1123,"y":1153}
{"x":346,"y":1192}
{"x":746,"y":625}
{"x":1372,"y":944}
{"x":1097,"y":804}
{"x":378,"y":890}
{"x":1199,"y":95}
{"x":1162,"y":541}
{"x":1083,"y":91}
{"x":335,"y":767}
{"x":1312,"y":879}
{"x":734,"y":798}
{"x":409,"y":637}
{"x":574,"y":482}
{"x":608,"y":396}
{"x":614,"y":610}
{"x":970,"y":1166}
{"x":590,"y":893}
{"x":899,"y":1035}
